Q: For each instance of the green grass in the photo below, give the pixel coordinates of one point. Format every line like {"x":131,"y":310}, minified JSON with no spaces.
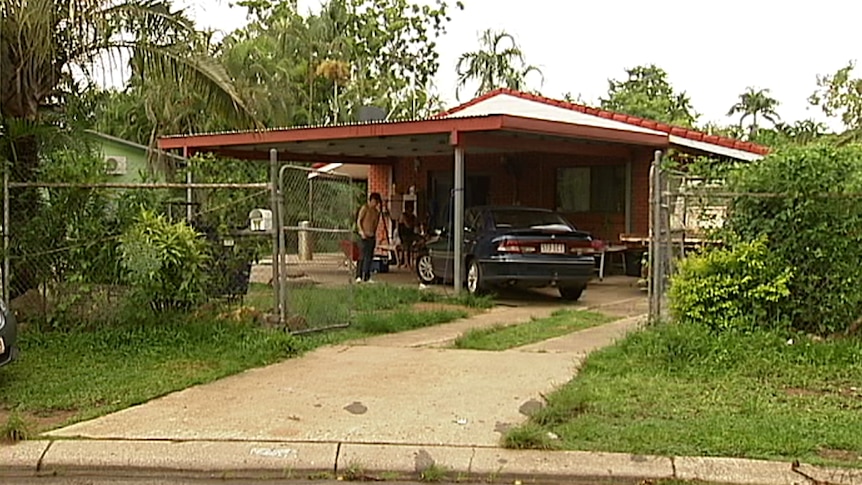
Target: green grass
{"x":674,"y":390}
{"x":114,"y":367}
{"x":502,"y":337}
{"x":322,"y":307}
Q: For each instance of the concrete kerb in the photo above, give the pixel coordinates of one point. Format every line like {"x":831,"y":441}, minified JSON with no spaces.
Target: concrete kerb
{"x":173,"y":459}
{"x":285,"y":460}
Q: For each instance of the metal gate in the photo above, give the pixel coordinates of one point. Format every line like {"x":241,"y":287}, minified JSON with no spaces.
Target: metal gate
{"x":316,"y":248}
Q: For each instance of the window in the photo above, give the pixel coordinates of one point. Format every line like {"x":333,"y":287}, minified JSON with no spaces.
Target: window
{"x":600,"y":188}
{"x":528,"y":219}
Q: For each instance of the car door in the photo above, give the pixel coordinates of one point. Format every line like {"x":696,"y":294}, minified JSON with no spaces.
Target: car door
{"x":442,"y":251}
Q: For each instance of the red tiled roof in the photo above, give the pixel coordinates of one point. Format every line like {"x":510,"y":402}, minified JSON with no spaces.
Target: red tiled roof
{"x":632,"y":120}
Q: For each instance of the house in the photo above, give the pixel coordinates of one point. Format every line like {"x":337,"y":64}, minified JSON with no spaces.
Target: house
{"x":126,"y":161}
{"x":506,"y":147}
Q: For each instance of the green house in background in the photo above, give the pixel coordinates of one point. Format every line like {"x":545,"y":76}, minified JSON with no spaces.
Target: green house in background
{"x":130,"y":162}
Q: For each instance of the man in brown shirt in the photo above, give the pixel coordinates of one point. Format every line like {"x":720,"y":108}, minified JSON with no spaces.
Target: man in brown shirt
{"x":366,"y":222}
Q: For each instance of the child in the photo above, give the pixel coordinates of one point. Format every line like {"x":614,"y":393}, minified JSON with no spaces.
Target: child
{"x":407,"y":234}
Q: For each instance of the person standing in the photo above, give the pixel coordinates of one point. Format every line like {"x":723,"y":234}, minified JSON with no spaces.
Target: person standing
{"x":366,"y":222}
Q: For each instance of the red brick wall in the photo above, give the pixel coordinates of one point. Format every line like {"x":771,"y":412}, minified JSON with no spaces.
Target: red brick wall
{"x":380,"y":180}
{"x":532,"y":184}
{"x":641,"y":161}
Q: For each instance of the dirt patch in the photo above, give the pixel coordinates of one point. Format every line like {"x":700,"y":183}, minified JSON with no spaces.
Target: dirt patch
{"x":188,"y":367}
{"x":851,"y":392}
{"x":432,"y":306}
{"x":798,"y":391}
{"x":838,"y":455}
{"x":39,"y":422}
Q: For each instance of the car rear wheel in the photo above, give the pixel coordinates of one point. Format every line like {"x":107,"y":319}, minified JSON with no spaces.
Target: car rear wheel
{"x":425,"y":270}
{"x":571,"y":293}
{"x":475,"y":282}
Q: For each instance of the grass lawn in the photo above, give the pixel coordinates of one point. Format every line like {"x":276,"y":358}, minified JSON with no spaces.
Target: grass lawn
{"x":502,"y":337}
{"x":673,"y":390}
{"x":66,"y":376}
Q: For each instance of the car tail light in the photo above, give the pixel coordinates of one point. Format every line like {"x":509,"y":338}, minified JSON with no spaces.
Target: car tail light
{"x":586,"y":246}
{"x":517,"y":247}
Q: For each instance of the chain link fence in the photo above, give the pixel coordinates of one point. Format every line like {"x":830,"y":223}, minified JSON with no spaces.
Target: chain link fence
{"x":686,"y":214}
{"x":82,"y":253}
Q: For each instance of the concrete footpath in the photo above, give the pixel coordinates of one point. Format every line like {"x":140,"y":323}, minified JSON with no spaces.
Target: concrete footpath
{"x":390,"y":407}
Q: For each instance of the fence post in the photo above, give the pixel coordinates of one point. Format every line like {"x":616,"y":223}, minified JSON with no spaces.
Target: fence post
{"x":189,"y":193}
{"x":655,"y":257}
{"x":304,"y":239}
{"x":6,"y":232}
{"x":276,"y":253}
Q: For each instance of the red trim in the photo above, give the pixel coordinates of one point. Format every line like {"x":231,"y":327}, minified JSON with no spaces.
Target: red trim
{"x":318,"y":133}
{"x":632,"y":120}
{"x":323,"y":160}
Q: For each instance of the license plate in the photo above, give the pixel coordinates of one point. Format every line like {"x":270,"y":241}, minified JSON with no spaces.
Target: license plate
{"x":554,"y":248}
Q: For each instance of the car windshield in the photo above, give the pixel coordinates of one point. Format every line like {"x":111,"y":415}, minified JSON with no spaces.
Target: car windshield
{"x":529,"y":219}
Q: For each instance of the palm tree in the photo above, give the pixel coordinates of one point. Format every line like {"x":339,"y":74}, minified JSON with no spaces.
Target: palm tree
{"x":44,"y":44}
{"x":755,"y":103}
{"x":48,"y":45}
{"x":498,"y":63}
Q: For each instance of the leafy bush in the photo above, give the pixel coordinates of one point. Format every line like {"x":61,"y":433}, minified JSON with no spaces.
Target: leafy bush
{"x":739,"y":288}
{"x":164,"y":262}
{"x":813,"y":227}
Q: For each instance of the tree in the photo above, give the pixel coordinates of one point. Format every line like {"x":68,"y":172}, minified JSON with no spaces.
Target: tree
{"x":840,"y":95}
{"x":321,"y":68}
{"x":45,"y":44}
{"x":498,"y":63}
{"x":814,"y":219}
{"x":798,"y":133}
{"x":648,"y":94}
{"x":754,"y":103}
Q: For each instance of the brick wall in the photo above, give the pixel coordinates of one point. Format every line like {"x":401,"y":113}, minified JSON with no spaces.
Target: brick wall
{"x":641,"y":161}
{"x":380,"y":180}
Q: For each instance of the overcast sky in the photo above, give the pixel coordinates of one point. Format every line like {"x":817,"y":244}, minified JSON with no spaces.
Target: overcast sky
{"x":711,"y":50}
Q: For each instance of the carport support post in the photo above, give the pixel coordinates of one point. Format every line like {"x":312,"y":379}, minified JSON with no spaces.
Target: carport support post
{"x":459,"y":218}
{"x":276,"y":230}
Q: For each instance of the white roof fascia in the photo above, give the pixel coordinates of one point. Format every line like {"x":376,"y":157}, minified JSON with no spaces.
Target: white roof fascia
{"x":716,"y":149}
{"x":329,"y":167}
{"x":344,"y":170}
{"x":506,"y":104}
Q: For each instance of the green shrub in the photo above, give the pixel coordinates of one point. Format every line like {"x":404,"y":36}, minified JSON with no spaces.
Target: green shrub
{"x":740,"y":288}
{"x":164,"y":262}
{"x":812,"y":227}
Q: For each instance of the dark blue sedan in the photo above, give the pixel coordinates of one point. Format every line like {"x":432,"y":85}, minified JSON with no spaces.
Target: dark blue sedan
{"x":8,"y":335}
{"x":513,"y":247}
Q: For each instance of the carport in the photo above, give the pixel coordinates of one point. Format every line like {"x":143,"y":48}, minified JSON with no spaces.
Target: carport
{"x":388,"y":143}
